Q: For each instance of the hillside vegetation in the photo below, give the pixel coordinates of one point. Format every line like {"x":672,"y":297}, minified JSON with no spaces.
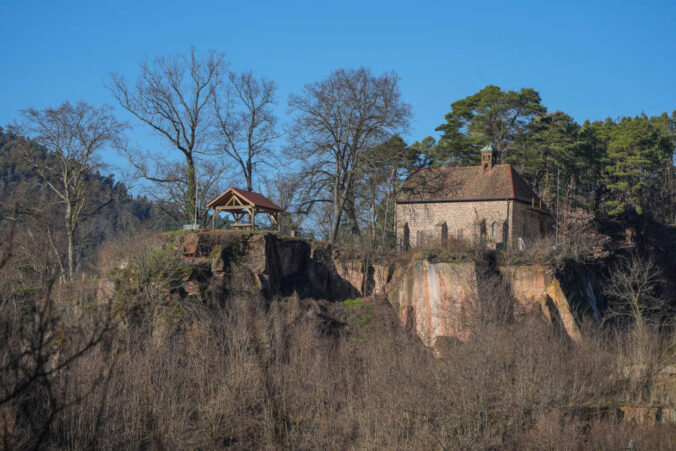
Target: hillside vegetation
{"x":154,"y":367}
{"x":114,"y":335}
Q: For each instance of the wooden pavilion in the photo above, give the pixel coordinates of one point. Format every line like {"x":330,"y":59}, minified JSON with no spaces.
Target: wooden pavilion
{"x":241,"y":203}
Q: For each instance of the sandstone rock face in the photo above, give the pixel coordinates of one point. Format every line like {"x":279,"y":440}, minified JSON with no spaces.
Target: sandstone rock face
{"x":431,"y":299}
{"x":367,"y":279}
{"x":106,"y":292}
{"x":528,"y":284}
{"x":561,"y":310}
{"x":280,"y":265}
{"x":437,"y":299}
{"x":536,"y":287}
{"x":649,"y":415}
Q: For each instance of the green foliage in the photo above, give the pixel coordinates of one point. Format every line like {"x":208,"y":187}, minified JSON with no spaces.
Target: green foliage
{"x":491,"y":116}
{"x":611,"y":167}
{"x":550,"y":144}
{"x":636,"y":151}
{"x":352,"y":302}
{"x":423,"y":150}
{"x":379,"y":179}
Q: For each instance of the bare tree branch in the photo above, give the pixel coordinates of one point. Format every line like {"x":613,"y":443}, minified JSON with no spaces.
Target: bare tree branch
{"x":338,"y":122}
{"x":171,"y":96}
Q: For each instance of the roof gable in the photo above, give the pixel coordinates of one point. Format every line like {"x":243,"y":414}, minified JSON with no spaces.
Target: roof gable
{"x":255,"y":199}
{"x":465,"y":183}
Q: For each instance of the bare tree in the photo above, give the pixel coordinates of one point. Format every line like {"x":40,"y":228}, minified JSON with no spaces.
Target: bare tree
{"x":246,"y":124}
{"x":338,"y":123}
{"x":172,"y":96}
{"x":177,"y":187}
{"x":632,"y":289}
{"x":379,"y":184}
{"x":72,"y":134}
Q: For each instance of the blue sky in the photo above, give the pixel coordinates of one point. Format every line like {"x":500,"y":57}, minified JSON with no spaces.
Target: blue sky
{"x":591,"y":59}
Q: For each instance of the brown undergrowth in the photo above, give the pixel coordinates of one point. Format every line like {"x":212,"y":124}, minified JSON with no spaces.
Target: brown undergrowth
{"x":306,"y":374}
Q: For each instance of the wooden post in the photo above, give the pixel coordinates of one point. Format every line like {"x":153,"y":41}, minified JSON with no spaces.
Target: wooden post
{"x":252,"y":212}
{"x":213,"y":219}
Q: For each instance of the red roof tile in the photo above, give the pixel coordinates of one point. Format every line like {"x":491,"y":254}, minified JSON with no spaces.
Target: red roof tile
{"x":464,"y":183}
{"x":253,"y":198}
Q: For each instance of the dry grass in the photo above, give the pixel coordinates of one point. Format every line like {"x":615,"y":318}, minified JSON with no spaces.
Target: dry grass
{"x":289,"y":373}
{"x":253,"y":376}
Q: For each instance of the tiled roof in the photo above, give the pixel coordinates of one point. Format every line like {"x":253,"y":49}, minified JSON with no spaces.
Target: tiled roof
{"x":253,"y":198}
{"x":464,"y":183}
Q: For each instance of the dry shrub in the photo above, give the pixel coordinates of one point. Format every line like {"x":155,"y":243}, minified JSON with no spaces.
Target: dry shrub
{"x":128,"y":249}
{"x":553,"y":431}
{"x":579,"y":235}
{"x":610,"y":434}
{"x":448,"y":251}
{"x":540,"y":251}
{"x":297,"y":373}
{"x":556,"y":431}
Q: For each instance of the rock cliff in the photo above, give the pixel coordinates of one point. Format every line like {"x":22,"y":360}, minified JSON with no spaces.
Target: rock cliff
{"x":438,"y":299}
{"x":210,"y":264}
{"x":431,"y":298}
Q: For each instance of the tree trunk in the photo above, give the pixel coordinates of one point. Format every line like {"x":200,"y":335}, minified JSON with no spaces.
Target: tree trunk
{"x":68,"y":217}
{"x":335,"y":221}
{"x":248,"y":174}
{"x":352,"y":216}
{"x":57,"y":254}
{"x":192,"y":189}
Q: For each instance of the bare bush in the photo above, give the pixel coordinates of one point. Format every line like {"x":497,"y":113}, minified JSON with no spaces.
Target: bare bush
{"x":632,"y":290}
{"x":579,"y":236}
{"x":299,"y":373}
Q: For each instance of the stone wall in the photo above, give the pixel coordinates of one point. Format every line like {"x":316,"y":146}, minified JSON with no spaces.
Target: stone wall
{"x":504,"y":221}
{"x":528,"y":223}
{"x":460,"y":218}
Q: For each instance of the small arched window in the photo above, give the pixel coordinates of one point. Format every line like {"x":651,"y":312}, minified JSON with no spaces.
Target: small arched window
{"x":494,"y":229}
{"x":406,"y":242}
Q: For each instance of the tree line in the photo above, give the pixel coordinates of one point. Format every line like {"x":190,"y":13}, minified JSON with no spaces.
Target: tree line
{"x":613,"y":167}
{"x":338,"y":161}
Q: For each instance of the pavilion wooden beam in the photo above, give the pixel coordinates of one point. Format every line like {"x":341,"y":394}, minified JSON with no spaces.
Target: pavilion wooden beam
{"x":239,"y":205}
{"x":235,"y":207}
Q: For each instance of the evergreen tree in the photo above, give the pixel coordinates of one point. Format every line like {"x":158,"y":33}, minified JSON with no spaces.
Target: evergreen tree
{"x":491,"y":116}
{"x":636,"y":152}
{"x":550,"y":147}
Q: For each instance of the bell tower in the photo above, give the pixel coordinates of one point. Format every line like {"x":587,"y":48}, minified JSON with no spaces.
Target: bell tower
{"x":489,"y":158}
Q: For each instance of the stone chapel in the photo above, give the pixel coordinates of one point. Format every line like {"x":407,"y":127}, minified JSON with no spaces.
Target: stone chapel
{"x":489,"y":202}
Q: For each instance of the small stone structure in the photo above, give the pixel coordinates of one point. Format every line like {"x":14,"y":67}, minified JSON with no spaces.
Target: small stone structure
{"x":490,"y":202}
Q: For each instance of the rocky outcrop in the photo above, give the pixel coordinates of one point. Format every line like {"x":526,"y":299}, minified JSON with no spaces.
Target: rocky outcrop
{"x":213,"y":263}
{"x":651,"y":415}
{"x":438,"y":299}
{"x":282,"y":265}
{"x":536,"y":287}
{"x":636,"y":414}
{"x":433,"y":299}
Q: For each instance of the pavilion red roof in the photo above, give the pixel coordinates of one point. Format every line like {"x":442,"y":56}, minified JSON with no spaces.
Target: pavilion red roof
{"x":256,"y":199}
